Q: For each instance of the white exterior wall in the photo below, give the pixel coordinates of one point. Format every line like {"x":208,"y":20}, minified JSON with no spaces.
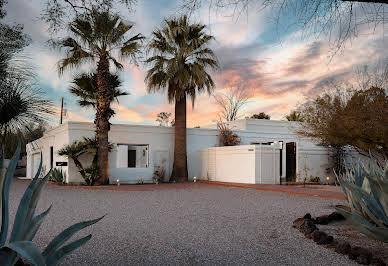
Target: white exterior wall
{"x":161,"y":147}
{"x":57,"y":138}
{"x":311,"y":160}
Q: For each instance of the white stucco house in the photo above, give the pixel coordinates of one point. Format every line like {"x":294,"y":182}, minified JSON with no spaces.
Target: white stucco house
{"x":268,"y":148}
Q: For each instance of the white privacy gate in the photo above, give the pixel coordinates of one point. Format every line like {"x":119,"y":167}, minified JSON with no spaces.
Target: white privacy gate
{"x":251,"y":164}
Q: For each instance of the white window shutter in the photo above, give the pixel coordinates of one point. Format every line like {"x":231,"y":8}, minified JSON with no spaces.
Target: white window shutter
{"x":122,"y":156}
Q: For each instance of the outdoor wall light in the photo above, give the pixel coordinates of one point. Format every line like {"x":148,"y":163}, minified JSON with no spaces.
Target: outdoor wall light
{"x":118,"y":182}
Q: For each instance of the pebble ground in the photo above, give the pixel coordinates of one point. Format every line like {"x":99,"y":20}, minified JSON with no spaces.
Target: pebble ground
{"x":202,"y":225}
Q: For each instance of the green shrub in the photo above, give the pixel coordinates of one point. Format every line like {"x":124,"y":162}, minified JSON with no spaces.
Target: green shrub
{"x":57,"y":176}
{"x":91,"y":174}
{"x":366,"y":190}
{"x":26,"y":224}
{"x":227,"y":137}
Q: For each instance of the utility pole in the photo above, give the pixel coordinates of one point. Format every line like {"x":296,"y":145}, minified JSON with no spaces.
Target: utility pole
{"x":61,"y":111}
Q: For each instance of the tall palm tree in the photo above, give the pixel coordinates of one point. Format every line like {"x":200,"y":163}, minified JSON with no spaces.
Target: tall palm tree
{"x":97,"y":37}
{"x":179,"y":62}
{"x":85,"y":87}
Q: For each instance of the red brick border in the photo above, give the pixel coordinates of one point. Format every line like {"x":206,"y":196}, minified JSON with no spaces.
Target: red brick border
{"x":133,"y":187}
{"x":290,"y":191}
{"x":190,"y":185}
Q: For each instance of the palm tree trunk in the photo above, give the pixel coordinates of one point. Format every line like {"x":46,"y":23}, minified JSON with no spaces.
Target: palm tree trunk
{"x":81,"y":169}
{"x":102,"y":120}
{"x":179,"y":171}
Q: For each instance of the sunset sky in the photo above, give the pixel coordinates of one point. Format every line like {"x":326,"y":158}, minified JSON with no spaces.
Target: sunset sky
{"x":279,"y":69}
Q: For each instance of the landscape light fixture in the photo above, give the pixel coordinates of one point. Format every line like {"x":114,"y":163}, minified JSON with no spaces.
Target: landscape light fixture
{"x":194,"y":179}
{"x":118,"y":182}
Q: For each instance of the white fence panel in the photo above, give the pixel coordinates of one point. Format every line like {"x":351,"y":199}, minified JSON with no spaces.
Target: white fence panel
{"x":252,"y":164}
{"x":235,"y":164}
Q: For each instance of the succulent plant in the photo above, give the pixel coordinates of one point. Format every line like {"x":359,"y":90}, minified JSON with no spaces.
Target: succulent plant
{"x":26,"y":224}
{"x":57,"y":176}
{"x":366,"y":190}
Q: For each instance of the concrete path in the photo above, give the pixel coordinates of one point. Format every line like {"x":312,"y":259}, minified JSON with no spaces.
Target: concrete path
{"x":200,"y":224}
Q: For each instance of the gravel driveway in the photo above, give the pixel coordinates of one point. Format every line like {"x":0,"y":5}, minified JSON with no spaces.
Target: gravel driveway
{"x":205,"y":225}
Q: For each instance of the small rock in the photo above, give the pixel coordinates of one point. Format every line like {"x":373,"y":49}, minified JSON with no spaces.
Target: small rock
{"x":365,"y":260}
{"x":307,"y":216}
{"x":308,"y":235}
{"x":355,"y":252}
{"x":298,"y":223}
{"x":335,"y":216}
{"x":378,"y":262}
{"x":309,"y":227}
{"x":321,"y":238}
{"x":332,"y":245}
{"x":324,"y":219}
{"x":343,"y":247}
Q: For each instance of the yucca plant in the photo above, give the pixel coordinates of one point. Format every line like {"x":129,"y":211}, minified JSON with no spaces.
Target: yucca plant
{"x":26,"y":224}
{"x":57,"y":176}
{"x":366,"y":190}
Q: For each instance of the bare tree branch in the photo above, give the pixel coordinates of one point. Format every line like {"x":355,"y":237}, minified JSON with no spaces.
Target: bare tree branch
{"x":340,"y":21}
{"x":231,"y":102}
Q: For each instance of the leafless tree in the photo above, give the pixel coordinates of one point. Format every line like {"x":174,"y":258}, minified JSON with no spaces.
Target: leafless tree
{"x":372,"y":76}
{"x":231,"y":102}
{"x":339,"y":20}
{"x":58,"y":13}
{"x":163,"y":118}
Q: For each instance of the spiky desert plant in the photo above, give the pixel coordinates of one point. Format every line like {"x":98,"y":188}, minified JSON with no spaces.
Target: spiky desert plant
{"x":27,"y":224}
{"x":57,"y":176}
{"x":366,"y":189}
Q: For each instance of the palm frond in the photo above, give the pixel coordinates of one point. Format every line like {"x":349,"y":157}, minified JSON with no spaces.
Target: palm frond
{"x":75,"y":56}
{"x":22,"y":104}
{"x":85,"y":87}
{"x":180,"y":57}
{"x":96,"y":35}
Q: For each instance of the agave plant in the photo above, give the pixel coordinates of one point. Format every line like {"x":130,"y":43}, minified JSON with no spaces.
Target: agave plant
{"x":366,"y":190}
{"x":57,"y":176}
{"x":26,"y":224}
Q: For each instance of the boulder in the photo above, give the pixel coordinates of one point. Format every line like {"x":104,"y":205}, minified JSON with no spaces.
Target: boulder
{"x":343,"y":247}
{"x":356,"y":252}
{"x":335,"y":216}
{"x":332,"y":245}
{"x":324,"y":219}
{"x":309,"y":227}
{"x":378,"y":262}
{"x":321,"y":238}
{"x":365,"y":260}
{"x":298,"y":223}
